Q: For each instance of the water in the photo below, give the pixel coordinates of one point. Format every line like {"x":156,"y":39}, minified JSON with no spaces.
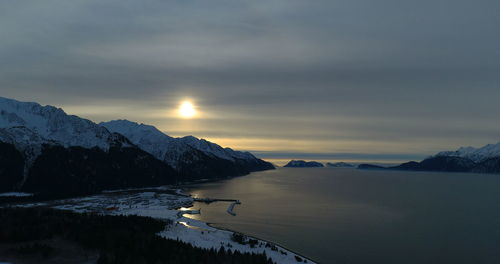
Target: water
{"x":337,"y":215}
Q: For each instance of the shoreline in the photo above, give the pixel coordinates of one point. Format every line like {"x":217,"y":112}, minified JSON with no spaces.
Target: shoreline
{"x":204,"y":235}
{"x":165,"y":203}
{"x":180,"y":190}
{"x":260,"y":239}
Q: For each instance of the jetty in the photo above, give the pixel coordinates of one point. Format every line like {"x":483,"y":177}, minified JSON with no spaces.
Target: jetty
{"x":211,"y":200}
{"x":230,"y":209}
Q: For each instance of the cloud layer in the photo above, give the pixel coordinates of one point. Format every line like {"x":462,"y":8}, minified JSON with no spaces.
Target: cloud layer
{"x":327,"y":77}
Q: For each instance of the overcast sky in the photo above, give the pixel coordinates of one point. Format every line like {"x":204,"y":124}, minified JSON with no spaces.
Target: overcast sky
{"x":334,"y":79}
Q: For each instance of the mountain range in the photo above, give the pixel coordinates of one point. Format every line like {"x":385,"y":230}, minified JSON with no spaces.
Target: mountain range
{"x":45,"y":150}
{"x":191,"y":156}
{"x":485,"y":159}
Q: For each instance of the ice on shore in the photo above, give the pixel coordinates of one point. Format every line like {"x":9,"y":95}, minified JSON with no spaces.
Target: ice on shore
{"x":164,"y":204}
{"x":200,"y":234}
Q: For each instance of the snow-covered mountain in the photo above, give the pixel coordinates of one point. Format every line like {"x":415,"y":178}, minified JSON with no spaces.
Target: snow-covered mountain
{"x":173,"y":150}
{"x":216,"y":150}
{"x":50,"y":124}
{"x":466,"y":159}
{"x":474,"y":154}
{"x":147,"y":137}
{"x":43,"y":149}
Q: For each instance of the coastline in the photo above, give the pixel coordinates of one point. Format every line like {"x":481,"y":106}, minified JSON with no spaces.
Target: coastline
{"x":267,"y":241}
{"x":165,"y":203}
{"x":205,"y":235}
{"x":202,"y":227}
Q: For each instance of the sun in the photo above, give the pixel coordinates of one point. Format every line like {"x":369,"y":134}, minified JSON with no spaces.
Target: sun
{"x":187,"y":110}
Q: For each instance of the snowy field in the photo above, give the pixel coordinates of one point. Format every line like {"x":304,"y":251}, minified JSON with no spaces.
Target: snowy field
{"x":165,"y":203}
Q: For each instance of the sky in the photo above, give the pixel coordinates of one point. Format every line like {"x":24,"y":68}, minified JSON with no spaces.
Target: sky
{"x":356,"y":80}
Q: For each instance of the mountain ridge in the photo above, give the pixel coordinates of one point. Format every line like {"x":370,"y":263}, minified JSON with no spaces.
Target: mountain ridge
{"x":475,"y":154}
{"x":485,"y":159}
{"x":181,"y":152}
{"x":43,"y":149}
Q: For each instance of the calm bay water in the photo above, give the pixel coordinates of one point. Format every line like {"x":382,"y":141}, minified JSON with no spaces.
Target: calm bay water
{"x":337,"y":215}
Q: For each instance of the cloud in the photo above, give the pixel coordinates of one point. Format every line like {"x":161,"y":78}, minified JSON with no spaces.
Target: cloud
{"x":352,"y":75}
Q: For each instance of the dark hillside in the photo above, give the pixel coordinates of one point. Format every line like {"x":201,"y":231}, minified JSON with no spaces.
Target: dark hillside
{"x":27,"y":233}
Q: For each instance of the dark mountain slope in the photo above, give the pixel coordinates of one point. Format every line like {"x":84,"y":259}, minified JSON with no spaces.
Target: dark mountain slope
{"x":78,"y":170}
{"x":11,"y":167}
{"x":439,"y":163}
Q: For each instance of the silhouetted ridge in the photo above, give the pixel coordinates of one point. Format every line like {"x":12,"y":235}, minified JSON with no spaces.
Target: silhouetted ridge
{"x":445,"y":164}
{"x":303,"y":164}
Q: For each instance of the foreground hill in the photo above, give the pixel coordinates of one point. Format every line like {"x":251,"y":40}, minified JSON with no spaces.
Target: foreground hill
{"x":45,"y":150}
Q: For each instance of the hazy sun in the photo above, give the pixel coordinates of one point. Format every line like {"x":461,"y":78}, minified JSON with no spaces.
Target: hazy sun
{"x":187,"y":110}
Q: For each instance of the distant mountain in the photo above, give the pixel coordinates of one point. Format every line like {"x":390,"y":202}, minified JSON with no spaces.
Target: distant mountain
{"x":475,"y":154}
{"x":303,"y":164}
{"x":189,"y":155}
{"x":42,"y":149}
{"x":439,"y":163}
{"x":468,"y":159}
{"x":339,"y":165}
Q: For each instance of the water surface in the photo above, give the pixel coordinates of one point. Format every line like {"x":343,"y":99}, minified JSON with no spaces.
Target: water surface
{"x":336,"y":215}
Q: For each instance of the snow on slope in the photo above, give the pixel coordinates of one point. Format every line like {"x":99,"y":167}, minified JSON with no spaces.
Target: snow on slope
{"x":167,"y":148}
{"x":49,"y":123}
{"x":149,"y":139}
{"x":475,"y":154}
{"x":215,"y":150}
{"x":26,"y":141}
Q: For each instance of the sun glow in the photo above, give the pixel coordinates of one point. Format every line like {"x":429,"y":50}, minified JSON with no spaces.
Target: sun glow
{"x":187,"y":110}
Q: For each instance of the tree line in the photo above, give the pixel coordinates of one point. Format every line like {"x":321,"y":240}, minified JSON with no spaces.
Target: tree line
{"x":118,"y":239}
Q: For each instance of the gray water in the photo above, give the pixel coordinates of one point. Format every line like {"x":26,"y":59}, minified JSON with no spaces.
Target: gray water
{"x":337,"y":215}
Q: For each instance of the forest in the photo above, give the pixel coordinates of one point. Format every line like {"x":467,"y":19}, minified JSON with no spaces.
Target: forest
{"x":29,"y":234}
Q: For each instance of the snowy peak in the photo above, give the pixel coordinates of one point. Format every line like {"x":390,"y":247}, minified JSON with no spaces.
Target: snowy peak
{"x":53,"y":124}
{"x":135,"y":130}
{"x":170,"y":149}
{"x":148,"y":138}
{"x":474,"y":154}
{"x":215,"y":150}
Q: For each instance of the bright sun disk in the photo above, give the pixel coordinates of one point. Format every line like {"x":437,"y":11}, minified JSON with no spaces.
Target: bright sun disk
{"x":187,"y":110}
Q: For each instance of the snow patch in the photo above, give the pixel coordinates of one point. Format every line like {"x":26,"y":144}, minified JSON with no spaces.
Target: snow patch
{"x":169,"y":149}
{"x":474,"y":154}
